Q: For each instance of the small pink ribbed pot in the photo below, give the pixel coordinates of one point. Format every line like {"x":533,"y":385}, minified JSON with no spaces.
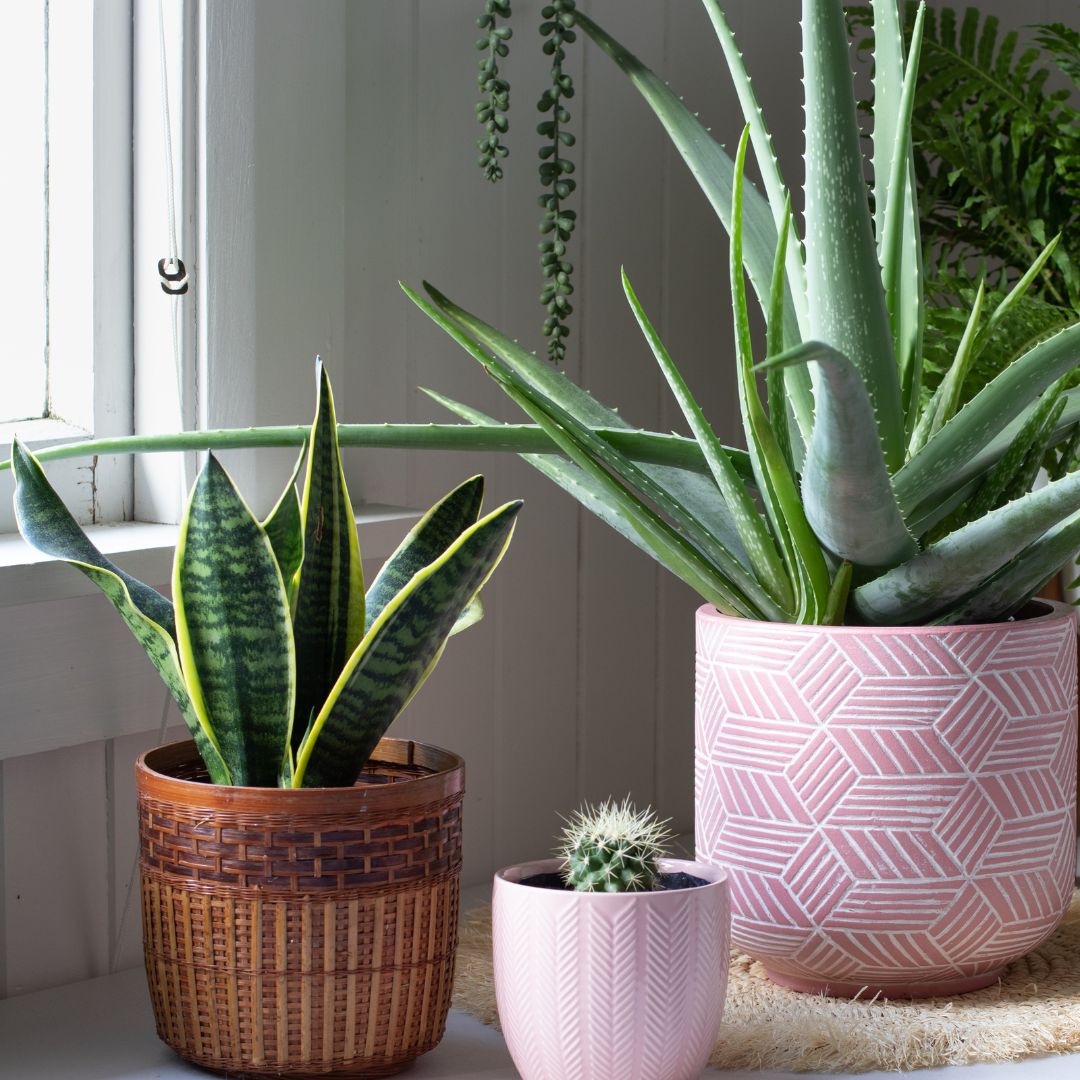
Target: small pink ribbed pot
{"x":610,"y":986}
{"x":895,"y":806}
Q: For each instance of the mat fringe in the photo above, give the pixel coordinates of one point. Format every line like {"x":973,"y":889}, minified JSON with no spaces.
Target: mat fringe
{"x":1035,"y":1009}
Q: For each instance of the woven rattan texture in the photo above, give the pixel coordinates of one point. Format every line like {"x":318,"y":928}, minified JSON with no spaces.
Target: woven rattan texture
{"x":1034,"y":1010}
{"x":301,"y":946}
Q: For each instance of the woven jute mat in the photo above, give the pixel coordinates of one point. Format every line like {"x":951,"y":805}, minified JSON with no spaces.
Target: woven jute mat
{"x":1035,"y":1009}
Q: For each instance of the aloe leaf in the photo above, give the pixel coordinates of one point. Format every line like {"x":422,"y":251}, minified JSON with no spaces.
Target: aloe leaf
{"x":397,"y":653}
{"x":949,"y":392}
{"x":843,"y":280}
{"x":1019,"y":580}
{"x":696,"y":495}
{"x":756,"y":541}
{"x":892,"y":242}
{"x":1014,"y":296}
{"x":715,"y":173}
{"x":541,"y":408}
{"x":669,"y":546}
{"x":845,"y":484}
{"x":779,"y":200}
{"x":780,"y":414}
{"x":577,"y":483}
{"x":912,"y":299}
{"x":432,"y":535}
{"x":951,"y":457}
{"x":328,"y":609}
{"x":776,"y":485}
{"x":1029,"y":470}
{"x":284,"y":529}
{"x":47,"y":524}
{"x":233,"y":630}
{"x":1070,"y":455}
{"x":838,"y":596}
{"x":950,"y":569}
{"x":888,"y":79}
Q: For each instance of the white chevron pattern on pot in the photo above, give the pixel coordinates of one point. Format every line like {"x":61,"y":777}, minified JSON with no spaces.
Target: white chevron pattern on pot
{"x":610,"y":986}
{"x":894,"y":806}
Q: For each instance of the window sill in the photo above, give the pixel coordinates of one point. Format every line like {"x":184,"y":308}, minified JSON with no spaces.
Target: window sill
{"x":47,"y":431}
{"x":145,"y":550}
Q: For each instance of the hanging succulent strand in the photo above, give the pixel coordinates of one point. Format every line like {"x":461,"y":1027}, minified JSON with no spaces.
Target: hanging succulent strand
{"x":490,"y":110}
{"x":557,"y":224}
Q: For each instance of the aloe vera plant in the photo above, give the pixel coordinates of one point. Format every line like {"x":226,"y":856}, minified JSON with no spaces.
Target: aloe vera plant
{"x":872,"y":504}
{"x":858,"y":498}
{"x":284,"y":671}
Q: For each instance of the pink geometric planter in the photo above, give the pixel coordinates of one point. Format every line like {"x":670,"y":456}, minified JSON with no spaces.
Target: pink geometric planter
{"x":610,"y":986}
{"x":895,"y":807}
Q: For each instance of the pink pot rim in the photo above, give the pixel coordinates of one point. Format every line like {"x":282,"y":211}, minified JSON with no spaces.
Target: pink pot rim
{"x":1056,"y":611}
{"x":712,"y":875}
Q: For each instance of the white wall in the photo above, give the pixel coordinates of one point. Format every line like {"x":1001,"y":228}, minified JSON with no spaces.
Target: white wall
{"x":338,"y":158}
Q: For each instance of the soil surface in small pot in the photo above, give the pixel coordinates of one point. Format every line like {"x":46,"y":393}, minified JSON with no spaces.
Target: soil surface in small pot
{"x":663,"y":882}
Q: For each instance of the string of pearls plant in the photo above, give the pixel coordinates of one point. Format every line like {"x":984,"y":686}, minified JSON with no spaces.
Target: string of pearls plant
{"x":558,"y":222}
{"x":491,"y":109}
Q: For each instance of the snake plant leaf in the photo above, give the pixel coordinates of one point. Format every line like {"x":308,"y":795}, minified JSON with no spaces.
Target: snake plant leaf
{"x":956,"y":565}
{"x":1019,"y":580}
{"x":843,"y":280}
{"x":427,"y":540}
{"x":328,"y":610}
{"x":472,"y":614}
{"x":714,"y":172}
{"x":46,"y":523}
{"x":285,"y":530}
{"x":951,"y":457}
{"x":845,"y":485}
{"x":396,"y":653}
{"x":577,"y":483}
{"x":697,"y":494}
{"x":234,"y":633}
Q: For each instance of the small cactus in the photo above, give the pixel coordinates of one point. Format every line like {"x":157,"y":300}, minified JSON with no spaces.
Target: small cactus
{"x":612,"y":848}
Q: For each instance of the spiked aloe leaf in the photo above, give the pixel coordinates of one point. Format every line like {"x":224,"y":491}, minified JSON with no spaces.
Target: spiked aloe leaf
{"x":398,"y":652}
{"x":952,"y":456}
{"x":285,"y":530}
{"x":233,"y":630}
{"x":1019,"y":580}
{"x":46,"y":523}
{"x":436,"y":531}
{"x":843,"y":280}
{"x":695,"y":494}
{"x":715,"y":172}
{"x":328,"y":612}
{"x":845,"y":488}
{"x":670,"y":546}
{"x":957,"y":564}
{"x":756,"y":541}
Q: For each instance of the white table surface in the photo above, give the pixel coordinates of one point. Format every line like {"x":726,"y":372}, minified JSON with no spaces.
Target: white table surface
{"x":103,"y":1029}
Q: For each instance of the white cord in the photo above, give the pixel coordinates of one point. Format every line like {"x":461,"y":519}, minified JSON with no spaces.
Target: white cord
{"x":114,"y":962}
{"x":173,"y":254}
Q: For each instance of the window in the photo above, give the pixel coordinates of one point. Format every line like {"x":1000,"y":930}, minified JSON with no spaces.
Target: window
{"x":46,"y":366}
{"x":65,"y":274}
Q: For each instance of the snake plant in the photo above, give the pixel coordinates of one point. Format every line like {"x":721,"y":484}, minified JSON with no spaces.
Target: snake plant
{"x":284,"y":671}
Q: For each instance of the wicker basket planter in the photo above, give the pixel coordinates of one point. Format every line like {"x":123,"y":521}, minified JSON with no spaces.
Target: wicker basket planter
{"x":895,"y":806}
{"x":304,"y":932}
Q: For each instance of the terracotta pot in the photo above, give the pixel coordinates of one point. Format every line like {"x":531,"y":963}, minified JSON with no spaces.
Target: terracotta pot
{"x":896,"y":806}
{"x":302,"y":933}
{"x":610,"y":986}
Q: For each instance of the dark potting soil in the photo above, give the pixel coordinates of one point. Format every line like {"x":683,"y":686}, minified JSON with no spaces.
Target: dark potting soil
{"x":663,"y":881}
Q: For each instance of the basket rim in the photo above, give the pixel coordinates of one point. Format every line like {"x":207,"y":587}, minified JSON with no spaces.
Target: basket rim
{"x":446,"y":779}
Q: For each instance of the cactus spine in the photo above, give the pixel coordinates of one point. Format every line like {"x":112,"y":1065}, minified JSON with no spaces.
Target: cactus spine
{"x":612,"y":848}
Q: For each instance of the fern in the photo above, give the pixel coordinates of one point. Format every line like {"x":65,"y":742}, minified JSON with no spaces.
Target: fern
{"x":997,"y":159}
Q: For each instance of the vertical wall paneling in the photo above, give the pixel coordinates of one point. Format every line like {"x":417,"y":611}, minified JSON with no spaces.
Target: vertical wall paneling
{"x":334,"y":155}
{"x":55,"y":859}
